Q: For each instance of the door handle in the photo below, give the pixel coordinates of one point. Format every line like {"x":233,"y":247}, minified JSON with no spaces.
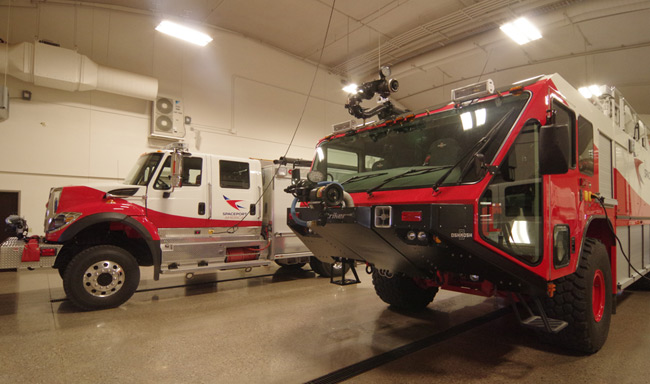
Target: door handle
{"x":201,"y":208}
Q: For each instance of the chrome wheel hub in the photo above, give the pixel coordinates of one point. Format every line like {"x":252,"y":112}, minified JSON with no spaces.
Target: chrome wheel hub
{"x":103,"y":278}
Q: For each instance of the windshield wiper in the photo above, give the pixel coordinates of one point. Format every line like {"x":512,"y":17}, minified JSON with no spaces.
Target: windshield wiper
{"x":363,"y":177}
{"x":479,"y":146}
{"x":410,"y":172}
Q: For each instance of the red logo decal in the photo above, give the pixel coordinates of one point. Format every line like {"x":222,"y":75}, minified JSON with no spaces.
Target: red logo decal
{"x":637,"y":164}
{"x":233,"y":203}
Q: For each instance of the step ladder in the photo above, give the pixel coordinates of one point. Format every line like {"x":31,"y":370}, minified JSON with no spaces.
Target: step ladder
{"x":539,"y":322}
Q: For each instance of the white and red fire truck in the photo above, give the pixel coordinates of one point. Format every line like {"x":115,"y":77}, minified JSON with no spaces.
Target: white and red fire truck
{"x":522,"y":191}
{"x":180,"y":212}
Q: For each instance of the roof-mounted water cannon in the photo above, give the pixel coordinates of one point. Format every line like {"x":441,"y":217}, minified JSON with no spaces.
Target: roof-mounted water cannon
{"x":382,"y":87}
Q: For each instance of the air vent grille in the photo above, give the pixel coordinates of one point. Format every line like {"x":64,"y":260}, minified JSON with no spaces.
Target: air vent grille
{"x":383,"y":216}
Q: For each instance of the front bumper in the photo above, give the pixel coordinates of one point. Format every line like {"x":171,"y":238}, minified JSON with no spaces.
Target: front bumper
{"x":360,"y":233}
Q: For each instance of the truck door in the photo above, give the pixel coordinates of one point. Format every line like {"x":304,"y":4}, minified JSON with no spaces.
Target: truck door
{"x":563,"y":201}
{"x":182,"y":207}
{"x":511,"y":216}
{"x":236,"y":192}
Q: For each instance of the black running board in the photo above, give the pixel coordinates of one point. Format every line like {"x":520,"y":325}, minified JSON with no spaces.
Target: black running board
{"x":539,"y":322}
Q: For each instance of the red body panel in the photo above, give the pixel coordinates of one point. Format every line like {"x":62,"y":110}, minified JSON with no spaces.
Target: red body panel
{"x":89,"y":201}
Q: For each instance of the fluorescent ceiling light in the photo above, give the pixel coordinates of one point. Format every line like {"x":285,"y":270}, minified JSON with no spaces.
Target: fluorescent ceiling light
{"x":590,"y":91}
{"x":351,"y":88}
{"x":184,"y":33}
{"x":521,"y":31}
{"x":595,"y":90}
{"x":584,"y":91}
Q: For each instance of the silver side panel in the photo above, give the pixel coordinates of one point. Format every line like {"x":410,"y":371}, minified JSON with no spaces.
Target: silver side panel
{"x":11,"y":253}
{"x":637,"y":250}
{"x":622,"y":267}
{"x":285,"y":244}
{"x":214,"y":233}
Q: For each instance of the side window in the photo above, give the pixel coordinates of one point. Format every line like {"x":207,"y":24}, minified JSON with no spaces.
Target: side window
{"x":234,"y":174}
{"x":342,"y":164}
{"x":585,"y":146}
{"x":373,"y":163}
{"x":191,"y":175}
{"x":566,"y":116}
{"x":164,"y":180}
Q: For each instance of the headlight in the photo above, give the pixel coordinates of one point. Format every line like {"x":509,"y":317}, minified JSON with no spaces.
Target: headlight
{"x":61,"y":220}
{"x":52,"y":206}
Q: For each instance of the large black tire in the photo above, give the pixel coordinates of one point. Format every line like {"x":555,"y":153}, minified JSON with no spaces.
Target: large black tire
{"x":402,"y":292}
{"x":324,"y":269}
{"x":584,"y":300}
{"x":103,"y":276}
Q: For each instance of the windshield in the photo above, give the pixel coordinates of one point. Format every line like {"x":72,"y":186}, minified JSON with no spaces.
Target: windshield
{"x":143,"y":169}
{"x":436,"y":144}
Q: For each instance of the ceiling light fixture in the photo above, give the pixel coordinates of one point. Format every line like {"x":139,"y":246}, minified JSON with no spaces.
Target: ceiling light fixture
{"x":591,"y":91}
{"x":184,"y":33}
{"x":521,"y":31}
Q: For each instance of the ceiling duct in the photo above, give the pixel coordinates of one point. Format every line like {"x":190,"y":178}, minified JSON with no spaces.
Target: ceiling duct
{"x":60,"y":68}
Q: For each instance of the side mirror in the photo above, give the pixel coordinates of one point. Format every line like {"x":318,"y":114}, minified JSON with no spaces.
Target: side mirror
{"x":177,"y":169}
{"x":554,"y":149}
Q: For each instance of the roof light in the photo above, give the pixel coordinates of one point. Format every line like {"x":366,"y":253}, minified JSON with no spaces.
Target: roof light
{"x":521,"y":31}
{"x":473,"y":91}
{"x":184,"y":33}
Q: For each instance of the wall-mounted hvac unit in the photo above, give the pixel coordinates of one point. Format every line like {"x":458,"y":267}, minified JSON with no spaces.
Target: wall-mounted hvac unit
{"x":167,"y":119}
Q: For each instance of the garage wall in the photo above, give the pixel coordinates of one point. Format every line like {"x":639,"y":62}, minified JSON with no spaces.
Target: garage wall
{"x":245,"y":99}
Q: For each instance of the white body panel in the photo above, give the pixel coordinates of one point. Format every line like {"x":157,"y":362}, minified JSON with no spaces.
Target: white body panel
{"x":623,"y":154}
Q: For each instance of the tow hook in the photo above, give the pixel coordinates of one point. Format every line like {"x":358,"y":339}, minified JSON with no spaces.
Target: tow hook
{"x":550,"y":289}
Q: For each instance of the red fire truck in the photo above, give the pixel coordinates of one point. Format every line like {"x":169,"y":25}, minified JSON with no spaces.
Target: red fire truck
{"x":177,"y":211}
{"x":522,"y":192}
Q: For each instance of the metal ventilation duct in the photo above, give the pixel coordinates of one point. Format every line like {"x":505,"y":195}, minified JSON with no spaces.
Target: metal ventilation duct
{"x":54,"y":67}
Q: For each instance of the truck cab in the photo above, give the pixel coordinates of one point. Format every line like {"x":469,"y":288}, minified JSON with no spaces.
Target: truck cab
{"x":499,"y":192}
{"x":177,"y":211}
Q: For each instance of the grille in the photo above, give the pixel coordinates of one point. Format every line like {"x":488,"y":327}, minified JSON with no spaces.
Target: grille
{"x":383,"y":216}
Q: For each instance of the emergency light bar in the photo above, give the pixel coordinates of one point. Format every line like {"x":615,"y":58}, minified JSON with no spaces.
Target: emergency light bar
{"x":472,"y":91}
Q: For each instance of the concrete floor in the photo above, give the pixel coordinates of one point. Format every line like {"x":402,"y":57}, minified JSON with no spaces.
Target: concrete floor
{"x":286,"y":326}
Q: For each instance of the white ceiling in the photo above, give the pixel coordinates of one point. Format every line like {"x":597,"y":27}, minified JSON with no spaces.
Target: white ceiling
{"x":437,"y":45}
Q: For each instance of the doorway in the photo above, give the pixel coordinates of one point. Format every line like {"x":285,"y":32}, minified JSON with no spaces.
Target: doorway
{"x":8,"y":206}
